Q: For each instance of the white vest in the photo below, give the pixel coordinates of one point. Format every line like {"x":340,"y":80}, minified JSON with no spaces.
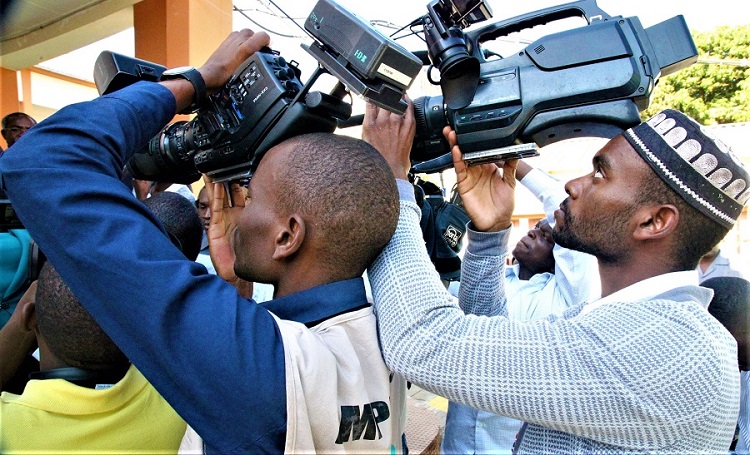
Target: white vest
{"x":341,"y":397}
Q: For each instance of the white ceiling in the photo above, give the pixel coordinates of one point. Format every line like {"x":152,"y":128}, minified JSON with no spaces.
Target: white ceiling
{"x":32,"y":31}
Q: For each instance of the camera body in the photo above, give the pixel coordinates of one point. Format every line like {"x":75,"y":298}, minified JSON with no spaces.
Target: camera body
{"x":587,"y":81}
{"x":264,"y":102}
{"x":251,"y":112}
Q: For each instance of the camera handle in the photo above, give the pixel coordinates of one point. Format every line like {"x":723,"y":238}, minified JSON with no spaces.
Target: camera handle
{"x":587,"y":9}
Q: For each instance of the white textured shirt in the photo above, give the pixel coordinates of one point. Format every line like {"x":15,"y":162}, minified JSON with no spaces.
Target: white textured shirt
{"x":575,"y":280}
{"x":654,"y":375}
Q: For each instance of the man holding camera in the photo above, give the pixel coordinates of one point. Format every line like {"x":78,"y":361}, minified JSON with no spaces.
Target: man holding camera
{"x":643,"y":369}
{"x":300,"y":373}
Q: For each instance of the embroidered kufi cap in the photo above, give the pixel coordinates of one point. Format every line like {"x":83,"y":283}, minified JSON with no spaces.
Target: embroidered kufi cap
{"x":699,"y":167}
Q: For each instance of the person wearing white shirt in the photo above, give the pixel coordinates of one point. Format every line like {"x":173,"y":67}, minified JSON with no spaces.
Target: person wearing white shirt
{"x":714,"y":264}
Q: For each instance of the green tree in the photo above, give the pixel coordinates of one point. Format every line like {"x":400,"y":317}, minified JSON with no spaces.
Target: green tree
{"x":716,"y":89}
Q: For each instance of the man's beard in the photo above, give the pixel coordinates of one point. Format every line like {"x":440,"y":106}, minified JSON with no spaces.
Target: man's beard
{"x":601,"y":237}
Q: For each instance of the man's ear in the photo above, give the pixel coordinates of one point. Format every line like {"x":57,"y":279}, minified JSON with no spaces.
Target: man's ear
{"x":26,"y":308}
{"x":290,"y":239}
{"x":656,"y":221}
{"x":28,"y":316}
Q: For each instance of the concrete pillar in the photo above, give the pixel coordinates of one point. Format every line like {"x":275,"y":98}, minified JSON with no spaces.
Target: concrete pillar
{"x":26,"y":104}
{"x":9,"y":101}
{"x":180,"y":32}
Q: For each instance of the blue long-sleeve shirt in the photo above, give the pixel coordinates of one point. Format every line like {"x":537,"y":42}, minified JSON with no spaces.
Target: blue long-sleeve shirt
{"x":217,"y":358}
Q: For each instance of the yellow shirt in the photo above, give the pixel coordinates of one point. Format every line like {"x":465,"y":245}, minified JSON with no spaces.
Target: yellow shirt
{"x":56,"y":416}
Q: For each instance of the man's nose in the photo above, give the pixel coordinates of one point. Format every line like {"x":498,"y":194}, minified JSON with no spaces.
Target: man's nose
{"x":573,"y":187}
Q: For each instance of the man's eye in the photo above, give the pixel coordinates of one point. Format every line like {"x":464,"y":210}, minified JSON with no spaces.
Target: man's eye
{"x":598,"y":174}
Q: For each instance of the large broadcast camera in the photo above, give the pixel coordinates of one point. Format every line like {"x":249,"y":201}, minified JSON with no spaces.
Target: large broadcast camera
{"x":588,"y":81}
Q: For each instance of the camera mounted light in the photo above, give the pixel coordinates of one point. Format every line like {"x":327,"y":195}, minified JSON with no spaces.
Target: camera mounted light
{"x":367,"y":62}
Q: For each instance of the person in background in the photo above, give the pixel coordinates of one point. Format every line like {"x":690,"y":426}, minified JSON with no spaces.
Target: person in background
{"x":144,"y":189}
{"x":715,"y":264}
{"x":730,"y":305}
{"x":20,"y":262}
{"x":627,"y":372}
{"x":203,"y":205}
{"x":180,"y":220}
{"x":16,"y":125}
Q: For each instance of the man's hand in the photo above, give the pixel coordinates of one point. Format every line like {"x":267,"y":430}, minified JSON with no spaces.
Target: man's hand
{"x":487,"y":191}
{"x":392,"y":135}
{"x":230,"y":54}
{"x":221,"y":230}
{"x":142,"y":188}
{"x":220,"y":66}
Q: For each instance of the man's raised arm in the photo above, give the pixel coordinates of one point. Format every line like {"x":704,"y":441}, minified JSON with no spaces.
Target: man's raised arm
{"x":184,"y":329}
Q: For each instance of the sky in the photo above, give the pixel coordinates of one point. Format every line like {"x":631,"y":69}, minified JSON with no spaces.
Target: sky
{"x":698,"y":15}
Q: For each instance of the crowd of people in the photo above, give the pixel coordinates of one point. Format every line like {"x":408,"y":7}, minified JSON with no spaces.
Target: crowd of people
{"x":239,"y":321}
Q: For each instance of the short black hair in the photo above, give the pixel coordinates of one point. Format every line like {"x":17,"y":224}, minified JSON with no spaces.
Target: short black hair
{"x":346,"y":186}
{"x":8,"y":118}
{"x":71,"y":333}
{"x":181,"y":220}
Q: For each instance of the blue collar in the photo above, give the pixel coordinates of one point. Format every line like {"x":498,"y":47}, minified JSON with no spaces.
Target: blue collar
{"x":321,"y":302}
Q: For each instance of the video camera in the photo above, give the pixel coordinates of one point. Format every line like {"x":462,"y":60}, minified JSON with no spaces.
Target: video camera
{"x":264,"y":101}
{"x":588,"y":81}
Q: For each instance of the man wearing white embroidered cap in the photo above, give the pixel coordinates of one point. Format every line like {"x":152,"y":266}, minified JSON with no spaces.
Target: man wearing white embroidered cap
{"x":644,"y":369}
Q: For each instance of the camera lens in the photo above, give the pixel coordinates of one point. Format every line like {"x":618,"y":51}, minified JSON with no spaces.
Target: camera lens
{"x":430,"y":117}
{"x":168,"y":156}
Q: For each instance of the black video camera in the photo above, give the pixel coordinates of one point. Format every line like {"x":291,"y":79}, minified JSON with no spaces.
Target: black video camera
{"x":587,"y":81}
{"x":264,"y":101}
